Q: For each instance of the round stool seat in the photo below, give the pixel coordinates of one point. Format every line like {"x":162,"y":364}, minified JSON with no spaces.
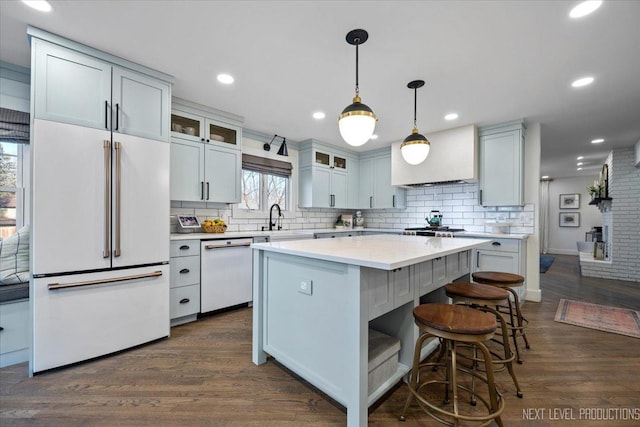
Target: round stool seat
{"x":497,"y":278}
{"x":455,"y":319}
{"x":476,"y":291}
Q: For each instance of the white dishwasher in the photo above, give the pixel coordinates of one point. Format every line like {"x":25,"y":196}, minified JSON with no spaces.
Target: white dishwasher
{"x":225,"y":268}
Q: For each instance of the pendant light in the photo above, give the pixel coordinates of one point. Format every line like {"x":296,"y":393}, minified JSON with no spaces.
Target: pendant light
{"x":357,"y":122}
{"x":415,"y":147}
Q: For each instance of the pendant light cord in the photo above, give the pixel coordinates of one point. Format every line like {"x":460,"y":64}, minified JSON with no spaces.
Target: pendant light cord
{"x":415,"y":107}
{"x":357,"y":87}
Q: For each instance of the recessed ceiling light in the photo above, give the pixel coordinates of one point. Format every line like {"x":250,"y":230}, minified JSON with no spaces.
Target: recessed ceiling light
{"x":585,"y":8}
{"x":585,"y":81}
{"x":580,"y":158}
{"x":226,"y":79}
{"x":374,"y":136}
{"x":451,"y":116}
{"x":579,"y":169}
{"x":597,"y":141}
{"x":318,"y":115}
{"x":580,"y":164}
{"x":41,"y":5}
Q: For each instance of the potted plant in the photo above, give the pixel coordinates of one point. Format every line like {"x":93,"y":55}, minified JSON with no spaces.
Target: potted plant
{"x":594,"y":191}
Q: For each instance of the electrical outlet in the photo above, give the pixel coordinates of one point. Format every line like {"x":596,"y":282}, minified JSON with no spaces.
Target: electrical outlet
{"x":306,"y":287}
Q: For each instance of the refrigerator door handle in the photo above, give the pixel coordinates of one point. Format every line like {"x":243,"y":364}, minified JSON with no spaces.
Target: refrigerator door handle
{"x":107,"y":199}
{"x":54,"y":286}
{"x":118,"y":147}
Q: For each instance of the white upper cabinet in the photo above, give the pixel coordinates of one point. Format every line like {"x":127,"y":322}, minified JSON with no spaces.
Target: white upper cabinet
{"x":198,"y":123}
{"x":71,"y":87}
{"x":502,"y":164}
{"x":206,"y":156}
{"x":76,"y":88}
{"x":325,"y":177}
{"x":141,"y":104}
{"x":376,"y":191}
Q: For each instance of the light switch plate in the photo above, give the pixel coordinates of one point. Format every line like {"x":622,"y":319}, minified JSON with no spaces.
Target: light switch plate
{"x":306,"y":287}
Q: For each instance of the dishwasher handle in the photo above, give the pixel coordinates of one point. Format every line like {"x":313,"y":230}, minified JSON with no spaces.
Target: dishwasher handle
{"x":233,"y":245}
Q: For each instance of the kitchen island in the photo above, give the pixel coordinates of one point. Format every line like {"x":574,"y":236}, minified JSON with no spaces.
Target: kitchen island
{"x":315,"y":300}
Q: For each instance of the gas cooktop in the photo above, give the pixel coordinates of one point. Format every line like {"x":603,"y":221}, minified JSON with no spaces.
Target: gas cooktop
{"x":432,"y":231}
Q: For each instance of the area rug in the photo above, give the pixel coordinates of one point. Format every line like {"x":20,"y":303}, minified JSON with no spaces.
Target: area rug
{"x":545,"y":262}
{"x":621,"y":321}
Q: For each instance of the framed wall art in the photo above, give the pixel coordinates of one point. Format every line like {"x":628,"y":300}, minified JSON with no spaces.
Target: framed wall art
{"x":569,"y":219}
{"x":570,"y":201}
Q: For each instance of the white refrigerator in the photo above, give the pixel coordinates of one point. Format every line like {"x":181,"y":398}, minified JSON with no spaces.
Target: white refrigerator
{"x":100,"y":243}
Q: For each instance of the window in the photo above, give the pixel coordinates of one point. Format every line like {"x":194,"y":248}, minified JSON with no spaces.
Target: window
{"x":264,"y":182}
{"x":11,"y":200}
{"x":261,"y":190}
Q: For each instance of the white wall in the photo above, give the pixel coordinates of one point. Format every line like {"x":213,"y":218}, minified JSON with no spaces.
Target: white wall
{"x":562,"y":240}
{"x":622,"y":220}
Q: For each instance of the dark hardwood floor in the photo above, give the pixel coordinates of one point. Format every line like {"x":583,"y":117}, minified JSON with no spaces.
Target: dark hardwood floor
{"x":203,"y":376}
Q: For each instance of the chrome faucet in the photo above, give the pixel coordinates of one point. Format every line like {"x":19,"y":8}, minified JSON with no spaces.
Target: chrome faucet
{"x":272,"y":223}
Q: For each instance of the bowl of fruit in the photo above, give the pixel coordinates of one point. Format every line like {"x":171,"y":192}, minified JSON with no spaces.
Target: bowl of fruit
{"x":214,"y":226}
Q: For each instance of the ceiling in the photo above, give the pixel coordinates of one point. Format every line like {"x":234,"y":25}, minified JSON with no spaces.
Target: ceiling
{"x":490,"y":62}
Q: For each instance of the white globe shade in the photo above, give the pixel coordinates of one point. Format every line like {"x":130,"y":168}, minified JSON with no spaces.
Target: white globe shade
{"x":357,"y":129}
{"x":414,"y":154}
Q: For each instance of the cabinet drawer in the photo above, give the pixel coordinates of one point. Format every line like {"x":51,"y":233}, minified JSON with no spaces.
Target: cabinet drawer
{"x":503,"y":245}
{"x":14,"y":319}
{"x":184,"y":301}
{"x":185,"y":271}
{"x":439,"y":271}
{"x":184,"y":248}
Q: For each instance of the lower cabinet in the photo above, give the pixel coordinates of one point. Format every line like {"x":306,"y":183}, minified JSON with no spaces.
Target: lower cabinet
{"x":185,"y":304}
{"x":185,"y":281}
{"x":14,"y":335}
{"x":504,"y":255}
{"x":387,"y":290}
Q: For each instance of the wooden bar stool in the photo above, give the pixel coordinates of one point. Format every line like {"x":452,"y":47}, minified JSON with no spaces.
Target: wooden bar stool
{"x":453,"y":324}
{"x":508,"y":281}
{"x":485,"y":298}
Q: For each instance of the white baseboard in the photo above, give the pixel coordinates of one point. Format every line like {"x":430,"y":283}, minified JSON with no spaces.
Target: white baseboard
{"x":534,"y":295}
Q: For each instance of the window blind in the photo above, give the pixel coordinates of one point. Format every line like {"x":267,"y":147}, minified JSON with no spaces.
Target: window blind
{"x":14,"y":126}
{"x":264,"y":165}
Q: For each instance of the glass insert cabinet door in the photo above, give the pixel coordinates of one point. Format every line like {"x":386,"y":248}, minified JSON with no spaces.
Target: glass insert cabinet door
{"x":217,"y":133}
{"x":187,"y":126}
{"x":202,"y":129}
{"x":330,"y":160}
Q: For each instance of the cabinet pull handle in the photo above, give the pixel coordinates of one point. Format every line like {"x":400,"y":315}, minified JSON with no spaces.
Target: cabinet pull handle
{"x":236,"y":245}
{"x":393,"y":201}
{"x":207,"y":190}
{"x":118,"y":147}
{"x":480,"y":196}
{"x":184,"y":247}
{"x":201,"y":190}
{"x":117,"y":116}
{"x":106,"y":114}
{"x":106,"y":253}
{"x":1,"y":329}
{"x":496,"y":244}
{"x":184,"y":300}
{"x":478,"y":259}
{"x":184,"y":271}
{"x":370,"y":201}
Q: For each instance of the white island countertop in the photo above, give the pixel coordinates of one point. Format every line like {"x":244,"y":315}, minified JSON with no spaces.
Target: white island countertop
{"x":385,"y":252}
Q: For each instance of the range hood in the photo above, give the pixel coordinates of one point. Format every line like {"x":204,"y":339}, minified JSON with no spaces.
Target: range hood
{"x":453,"y":158}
